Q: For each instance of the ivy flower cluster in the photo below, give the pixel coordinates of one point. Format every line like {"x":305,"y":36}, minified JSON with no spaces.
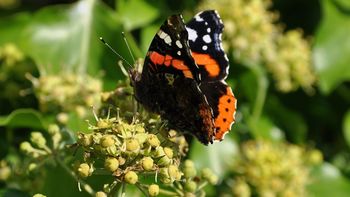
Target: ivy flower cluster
{"x":67,"y":92}
{"x":273,"y":169}
{"x":136,"y":152}
{"x":39,"y":147}
{"x":255,"y":39}
{"x":10,"y":54}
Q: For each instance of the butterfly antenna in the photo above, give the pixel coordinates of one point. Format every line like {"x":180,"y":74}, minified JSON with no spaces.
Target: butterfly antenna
{"x":127,"y":45}
{"x":115,"y":52}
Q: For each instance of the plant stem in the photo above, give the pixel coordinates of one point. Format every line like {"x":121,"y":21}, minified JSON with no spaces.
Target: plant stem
{"x":86,"y":186}
{"x":201,"y":186}
{"x":262,"y":85}
{"x":121,"y":192}
{"x":167,"y":192}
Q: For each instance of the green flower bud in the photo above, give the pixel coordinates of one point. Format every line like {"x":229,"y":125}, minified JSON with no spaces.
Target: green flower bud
{"x":107,"y":141}
{"x":241,"y":188}
{"x":111,"y":164}
{"x":168,"y":152}
{"x":32,"y":166}
{"x":84,"y":170}
{"x":38,"y":139}
{"x":213,"y":179}
{"x":132,"y":145}
{"x":81,"y":111}
{"x":141,"y":138}
{"x":159,"y":152}
{"x":208,"y":175}
{"x":190,"y":186}
{"x":100,"y":194}
{"x":85,"y":139}
{"x":164,"y":175}
{"x":315,"y":157}
{"x":39,"y":195}
{"x":62,"y":118}
{"x":131,"y":177}
{"x":189,"y":169}
{"x":26,"y":147}
{"x":153,"y":140}
{"x":103,"y":123}
{"x":53,"y":129}
{"x":153,"y":190}
{"x":172,"y":134}
{"x":164,"y":161}
{"x":5,"y":171}
{"x":147,"y":163}
{"x":139,"y":128}
{"x":189,"y":163}
{"x":173,"y":171}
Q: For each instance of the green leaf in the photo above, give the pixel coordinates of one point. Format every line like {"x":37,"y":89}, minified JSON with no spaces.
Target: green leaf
{"x":346,"y":127}
{"x":14,"y":28}
{"x":58,"y":182}
{"x":66,"y":37}
{"x":327,"y":180}
{"x":289,"y":120}
{"x":135,"y":13}
{"x":24,"y":118}
{"x":12,"y":193}
{"x":332,"y":46}
{"x":219,"y":156}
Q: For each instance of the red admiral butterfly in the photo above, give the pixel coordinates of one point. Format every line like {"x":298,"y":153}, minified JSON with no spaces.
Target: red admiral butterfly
{"x":183,"y":77}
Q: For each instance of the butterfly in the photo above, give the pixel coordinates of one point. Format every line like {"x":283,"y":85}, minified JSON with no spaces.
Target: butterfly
{"x":183,"y":77}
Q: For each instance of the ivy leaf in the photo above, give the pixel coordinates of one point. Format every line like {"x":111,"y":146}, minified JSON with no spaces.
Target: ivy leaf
{"x":66,"y":37}
{"x":219,"y":157}
{"x":332,"y":46}
{"x":346,"y":127}
{"x":135,"y":13}
{"x":24,"y":118}
{"x":327,"y":180}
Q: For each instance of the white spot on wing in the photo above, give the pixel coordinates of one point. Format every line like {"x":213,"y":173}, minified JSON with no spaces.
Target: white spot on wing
{"x":162,"y":34}
{"x":198,"y":18}
{"x":167,"y":40}
{"x":192,"y":34}
{"x":178,"y":43}
{"x":204,"y":47}
{"x":208,"y":30}
{"x":179,"y":53}
{"x":207,"y":38}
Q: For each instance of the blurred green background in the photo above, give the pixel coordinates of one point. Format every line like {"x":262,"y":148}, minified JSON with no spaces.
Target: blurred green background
{"x":289,"y":69}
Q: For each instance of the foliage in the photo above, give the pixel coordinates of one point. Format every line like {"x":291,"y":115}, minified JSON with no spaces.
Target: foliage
{"x":292,"y":133}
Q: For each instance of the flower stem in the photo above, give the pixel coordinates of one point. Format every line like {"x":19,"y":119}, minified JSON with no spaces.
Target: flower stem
{"x":262,"y":85}
{"x":86,"y":186}
{"x":167,"y":192}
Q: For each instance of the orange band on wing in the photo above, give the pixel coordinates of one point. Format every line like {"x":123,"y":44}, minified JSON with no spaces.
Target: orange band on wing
{"x":179,"y":64}
{"x":156,"y":58}
{"x":226,"y":116}
{"x":167,"y":60}
{"x":210,"y":65}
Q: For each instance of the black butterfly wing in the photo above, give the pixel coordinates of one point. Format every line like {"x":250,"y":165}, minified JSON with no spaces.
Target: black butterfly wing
{"x":205,"y":30}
